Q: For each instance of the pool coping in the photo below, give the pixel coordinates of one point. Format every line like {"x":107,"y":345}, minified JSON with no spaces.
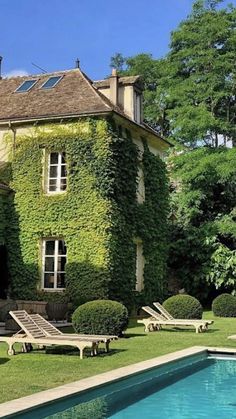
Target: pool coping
{"x":26,"y":403}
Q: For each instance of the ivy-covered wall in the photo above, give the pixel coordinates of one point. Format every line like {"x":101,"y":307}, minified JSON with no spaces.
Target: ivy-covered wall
{"x":3,"y":212}
{"x":98,"y":216}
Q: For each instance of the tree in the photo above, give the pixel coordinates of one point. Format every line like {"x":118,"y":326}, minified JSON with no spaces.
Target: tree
{"x":191,"y":93}
{"x":202,"y":72}
{"x":203,"y":228}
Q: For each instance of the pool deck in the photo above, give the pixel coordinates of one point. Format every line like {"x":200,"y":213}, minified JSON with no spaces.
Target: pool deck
{"x":24,"y":404}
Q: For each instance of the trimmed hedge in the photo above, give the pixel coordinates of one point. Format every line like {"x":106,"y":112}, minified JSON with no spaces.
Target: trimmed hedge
{"x":224,"y":305}
{"x":105,"y":317}
{"x":184,"y":307}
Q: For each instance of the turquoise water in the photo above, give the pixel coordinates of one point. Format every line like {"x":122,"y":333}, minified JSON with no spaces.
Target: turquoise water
{"x":193,"y":388}
{"x":208,"y":393}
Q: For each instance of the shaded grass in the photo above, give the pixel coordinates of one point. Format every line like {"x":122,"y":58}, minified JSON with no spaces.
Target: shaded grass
{"x":25,"y":374}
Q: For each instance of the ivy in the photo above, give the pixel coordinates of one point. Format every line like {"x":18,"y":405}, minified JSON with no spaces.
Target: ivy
{"x":98,"y":216}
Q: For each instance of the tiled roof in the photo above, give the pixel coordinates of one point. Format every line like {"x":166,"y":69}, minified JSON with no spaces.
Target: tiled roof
{"x":123,"y":81}
{"x":73,"y":95}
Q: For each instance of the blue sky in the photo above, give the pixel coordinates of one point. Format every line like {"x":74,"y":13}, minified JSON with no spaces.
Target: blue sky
{"x":53,"y":33}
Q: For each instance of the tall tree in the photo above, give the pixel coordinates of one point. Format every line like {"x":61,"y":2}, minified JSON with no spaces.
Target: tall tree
{"x":203,"y":245}
{"x":191,"y":93}
{"x":202,"y":71}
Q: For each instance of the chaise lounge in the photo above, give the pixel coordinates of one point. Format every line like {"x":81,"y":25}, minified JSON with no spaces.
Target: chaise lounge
{"x":168,"y":316}
{"x":31,"y":333}
{"x":157,"y":320}
{"x":52,"y":331}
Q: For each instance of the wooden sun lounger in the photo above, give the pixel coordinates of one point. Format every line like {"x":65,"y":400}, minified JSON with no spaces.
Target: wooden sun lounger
{"x":31,"y":333}
{"x":233,"y":337}
{"x":53,"y":331}
{"x":168,"y":316}
{"x":157,"y":320}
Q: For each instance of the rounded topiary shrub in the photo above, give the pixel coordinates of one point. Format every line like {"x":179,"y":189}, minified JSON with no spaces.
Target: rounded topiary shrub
{"x":224,"y":305}
{"x":103,"y":317}
{"x":183,"y":307}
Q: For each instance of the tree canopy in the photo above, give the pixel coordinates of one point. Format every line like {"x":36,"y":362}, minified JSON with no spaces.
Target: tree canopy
{"x":190,"y":94}
{"x":203,"y":215}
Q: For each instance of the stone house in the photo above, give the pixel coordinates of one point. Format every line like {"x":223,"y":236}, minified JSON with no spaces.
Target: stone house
{"x":87,"y":211}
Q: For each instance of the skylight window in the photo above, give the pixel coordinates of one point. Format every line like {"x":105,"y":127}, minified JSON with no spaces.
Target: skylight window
{"x":26,"y":86}
{"x":51,"y":82}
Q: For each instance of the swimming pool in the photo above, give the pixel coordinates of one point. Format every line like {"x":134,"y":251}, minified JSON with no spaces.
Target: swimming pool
{"x":197,"y":386}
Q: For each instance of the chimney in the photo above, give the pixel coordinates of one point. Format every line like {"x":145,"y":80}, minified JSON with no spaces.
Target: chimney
{"x":77,"y":63}
{"x":0,"y":68}
{"x":114,"y":78}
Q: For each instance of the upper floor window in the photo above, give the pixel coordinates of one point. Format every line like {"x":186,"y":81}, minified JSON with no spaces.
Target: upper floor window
{"x":140,"y":192}
{"x":57,"y":180}
{"x":137,"y":106}
{"x":54,"y":261}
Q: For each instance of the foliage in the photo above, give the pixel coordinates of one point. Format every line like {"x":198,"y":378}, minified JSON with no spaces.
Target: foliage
{"x":222,"y":268}
{"x":190,"y":93}
{"x":98,"y":216}
{"x":154,"y":233}
{"x":53,"y":297}
{"x":5,"y":307}
{"x":203,"y":236}
{"x":3,"y":211}
{"x":183,"y":307}
{"x":224,"y":305}
{"x":100,"y":317}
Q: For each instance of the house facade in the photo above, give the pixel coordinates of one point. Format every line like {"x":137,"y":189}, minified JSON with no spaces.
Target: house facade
{"x":89,"y":201}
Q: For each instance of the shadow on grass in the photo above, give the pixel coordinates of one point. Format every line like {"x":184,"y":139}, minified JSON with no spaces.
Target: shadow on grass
{"x":133,"y":335}
{"x":4,"y":360}
{"x":178,"y":329}
{"x":74,"y":352}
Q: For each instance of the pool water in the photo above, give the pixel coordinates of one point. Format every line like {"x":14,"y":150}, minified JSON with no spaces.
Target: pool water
{"x":195,"y":387}
{"x":207,"y":393}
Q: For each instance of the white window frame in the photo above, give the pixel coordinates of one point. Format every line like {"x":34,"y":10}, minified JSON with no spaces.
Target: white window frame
{"x":140,"y":192}
{"x":55,"y":257}
{"x":29,"y":88}
{"x":58,"y":178}
{"x":140,"y":263}
{"x":51,"y":87}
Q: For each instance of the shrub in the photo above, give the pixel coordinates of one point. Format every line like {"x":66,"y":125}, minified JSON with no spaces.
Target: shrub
{"x":224,"y":305}
{"x":100,"y":317}
{"x":183,"y":307}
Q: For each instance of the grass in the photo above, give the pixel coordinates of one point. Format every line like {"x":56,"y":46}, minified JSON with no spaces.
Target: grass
{"x":24,"y":374}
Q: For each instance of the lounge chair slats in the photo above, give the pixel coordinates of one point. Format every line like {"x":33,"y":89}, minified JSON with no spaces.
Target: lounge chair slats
{"x":51,"y":330}
{"x":32,"y":333}
{"x":157,"y":320}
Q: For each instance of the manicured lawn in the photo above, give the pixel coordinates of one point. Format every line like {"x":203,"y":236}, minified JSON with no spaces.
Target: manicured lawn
{"x":25,"y":374}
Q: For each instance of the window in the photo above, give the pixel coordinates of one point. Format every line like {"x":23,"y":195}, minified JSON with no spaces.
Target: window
{"x":140,"y":185}
{"x":26,"y":86}
{"x":57,"y":180}
{"x":54,"y":261}
{"x":137,"y":107}
{"x":140,"y":262}
{"x":51,"y":82}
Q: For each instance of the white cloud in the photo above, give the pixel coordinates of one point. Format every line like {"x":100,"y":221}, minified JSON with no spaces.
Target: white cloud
{"x":15,"y":73}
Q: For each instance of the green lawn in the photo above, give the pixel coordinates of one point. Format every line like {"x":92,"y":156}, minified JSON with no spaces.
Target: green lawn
{"x":25,"y":374}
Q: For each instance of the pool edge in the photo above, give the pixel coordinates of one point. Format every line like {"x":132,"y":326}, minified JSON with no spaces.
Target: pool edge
{"x":26,"y":403}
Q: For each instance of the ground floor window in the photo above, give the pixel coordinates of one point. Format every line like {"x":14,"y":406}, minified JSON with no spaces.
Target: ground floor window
{"x":140,"y":262}
{"x":54,"y":261}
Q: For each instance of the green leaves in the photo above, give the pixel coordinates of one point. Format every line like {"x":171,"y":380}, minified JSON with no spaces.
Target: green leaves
{"x":204,"y":230}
